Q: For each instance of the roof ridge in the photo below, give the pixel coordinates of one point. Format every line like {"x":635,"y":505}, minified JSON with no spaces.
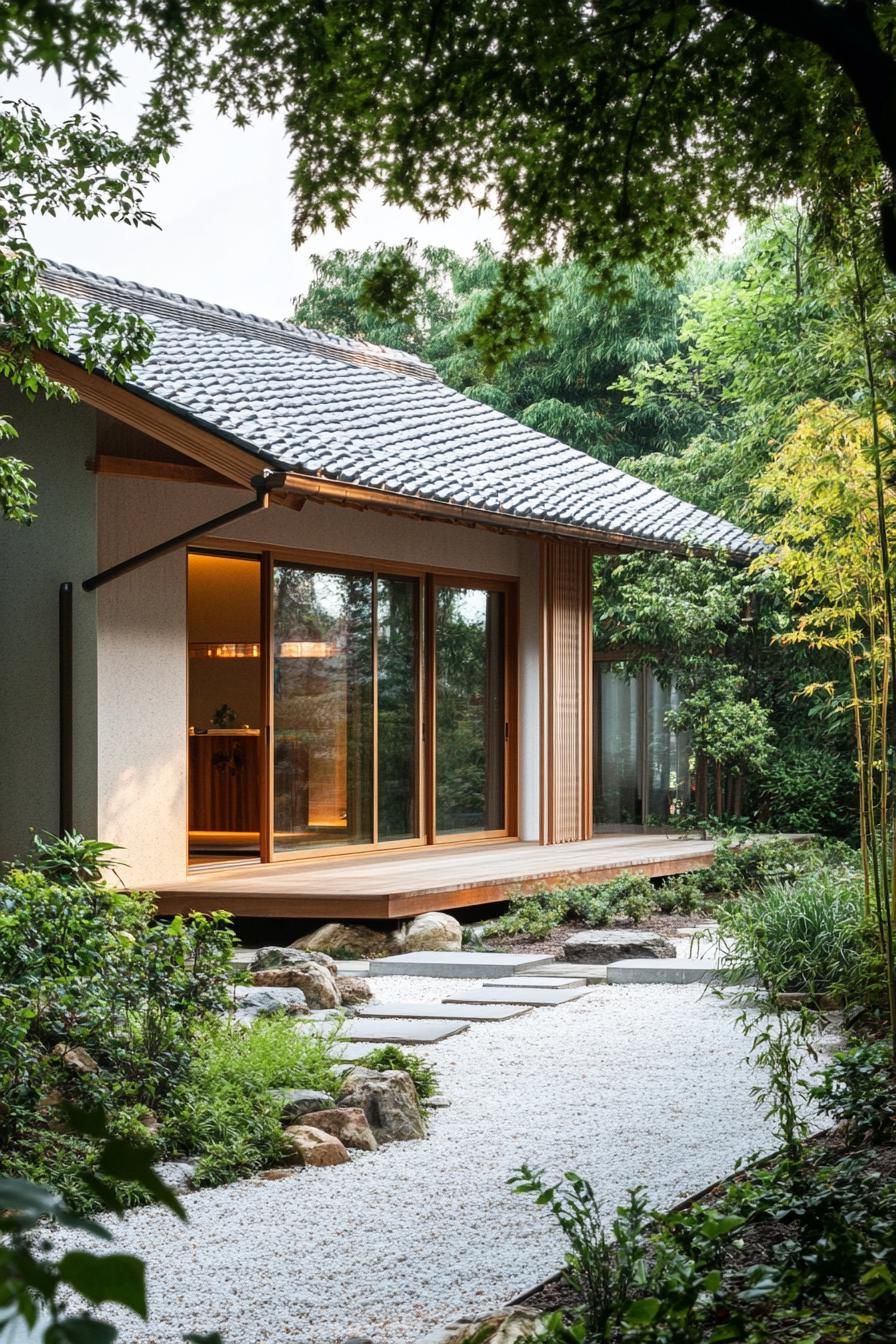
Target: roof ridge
{"x":148,"y":299}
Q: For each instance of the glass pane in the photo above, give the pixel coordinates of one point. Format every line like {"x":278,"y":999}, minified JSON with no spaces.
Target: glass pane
{"x":225,"y":706}
{"x":323,"y":707}
{"x":668,"y":756}
{"x":617,"y":795}
{"x":469,"y":639}
{"x":397,"y":735}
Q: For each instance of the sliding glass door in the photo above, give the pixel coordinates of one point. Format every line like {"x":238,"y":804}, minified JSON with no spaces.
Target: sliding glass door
{"x":345,"y":708}
{"x":383,"y":712}
{"x":471,"y":721}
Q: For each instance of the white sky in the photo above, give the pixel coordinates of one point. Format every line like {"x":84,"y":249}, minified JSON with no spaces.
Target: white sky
{"x":222,"y":203}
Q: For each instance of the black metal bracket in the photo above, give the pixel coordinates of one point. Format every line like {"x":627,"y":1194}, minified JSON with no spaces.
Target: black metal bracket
{"x":262,"y":485}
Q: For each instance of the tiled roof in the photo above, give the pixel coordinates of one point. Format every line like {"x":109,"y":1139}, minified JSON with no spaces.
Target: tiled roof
{"x":369,"y":417}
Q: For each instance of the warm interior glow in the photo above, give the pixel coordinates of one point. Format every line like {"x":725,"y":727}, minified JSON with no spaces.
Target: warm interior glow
{"x":308,"y":648}
{"x":234,"y":650}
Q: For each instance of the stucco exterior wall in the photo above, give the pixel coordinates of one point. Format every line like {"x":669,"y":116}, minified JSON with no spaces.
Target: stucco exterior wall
{"x":141,"y":634}
{"x":60,"y":546}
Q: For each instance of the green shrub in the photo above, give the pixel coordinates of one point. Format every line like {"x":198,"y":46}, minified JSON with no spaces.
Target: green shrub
{"x":632,"y":895}
{"x":423,"y":1075}
{"x":227,"y":1110}
{"x":683,"y":894}
{"x":809,"y":788}
{"x":83,"y":965}
{"x":805,"y":936}
{"x":859,"y":1087}
{"x":747,"y":866}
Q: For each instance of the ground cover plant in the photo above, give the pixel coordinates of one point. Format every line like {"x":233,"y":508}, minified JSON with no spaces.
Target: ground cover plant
{"x":102,"y":1006}
{"x":738,"y":868}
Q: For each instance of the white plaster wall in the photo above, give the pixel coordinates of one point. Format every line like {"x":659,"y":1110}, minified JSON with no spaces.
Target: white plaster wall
{"x":141,"y":632}
{"x":55,"y":438}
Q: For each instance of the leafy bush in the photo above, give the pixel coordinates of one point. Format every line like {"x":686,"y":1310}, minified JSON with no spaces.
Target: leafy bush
{"x":683,"y":894}
{"x":859,"y":1087}
{"x":806,"y":936}
{"x":748,"y":865}
{"x":809,"y":788}
{"x":227,"y":1109}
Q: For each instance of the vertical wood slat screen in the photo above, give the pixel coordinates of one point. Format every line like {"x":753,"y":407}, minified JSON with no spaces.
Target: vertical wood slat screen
{"x":566,"y":719}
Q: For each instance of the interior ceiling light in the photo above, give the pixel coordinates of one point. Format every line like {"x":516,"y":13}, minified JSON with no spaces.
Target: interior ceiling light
{"x":235,"y":650}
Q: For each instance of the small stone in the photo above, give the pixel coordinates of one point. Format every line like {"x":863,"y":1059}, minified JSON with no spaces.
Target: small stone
{"x":346,"y":1123}
{"x":178,"y":1176}
{"x":316,"y":983}
{"x":75,"y":1057}
{"x":261,"y":1000}
{"x":433,"y":932}
{"x":600,"y":946}
{"x":149,"y":1120}
{"x":502,"y":1327}
{"x":314,"y":1148}
{"x":275,"y":1174}
{"x":296,"y":1102}
{"x":268,"y":958}
{"x":435,"y":1103}
{"x":353,"y":989}
{"x":345,"y":940}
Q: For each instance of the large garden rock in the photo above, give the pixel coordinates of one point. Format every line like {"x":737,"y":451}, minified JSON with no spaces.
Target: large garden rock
{"x":388,"y":1099}
{"x":433,"y":932}
{"x":346,"y":940}
{"x":316,"y":982}
{"x":296,"y":1102}
{"x":347,"y":1123}
{"x":601,"y":946}
{"x":353,"y":989}
{"x":266,"y":958}
{"x":262,"y":1000}
{"x":502,"y":1327}
{"x":312,"y":1147}
{"x":75,"y":1057}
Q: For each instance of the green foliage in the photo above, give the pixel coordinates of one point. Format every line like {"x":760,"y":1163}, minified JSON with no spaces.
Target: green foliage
{"x":83,"y":966}
{"x":804,"y":787}
{"x":423,"y":1075}
{"x":83,"y":168}
{"x":534,"y":914}
{"x":227,"y":1108}
{"x":545,"y":348}
{"x":808,"y":936}
{"x":858,"y":1087}
{"x":70,"y":859}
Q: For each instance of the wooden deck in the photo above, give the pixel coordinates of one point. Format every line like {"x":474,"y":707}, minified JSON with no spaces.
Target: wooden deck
{"x":397,"y":885}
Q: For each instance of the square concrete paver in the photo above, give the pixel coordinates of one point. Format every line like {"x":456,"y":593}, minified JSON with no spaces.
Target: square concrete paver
{"x":594,"y":975}
{"x":459,"y":965}
{"x":662,"y":971}
{"x":378,"y":1030}
{"x":539,"y":982}
{"x":447,"y":1012}
{"x":532,"y":998}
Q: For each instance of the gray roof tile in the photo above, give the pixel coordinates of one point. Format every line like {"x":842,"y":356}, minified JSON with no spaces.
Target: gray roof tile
{"x":364,"y":415}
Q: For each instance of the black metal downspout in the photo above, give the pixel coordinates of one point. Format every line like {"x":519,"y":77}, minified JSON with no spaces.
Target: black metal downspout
{"x":262,"y":485}
{"x":66,"y":719}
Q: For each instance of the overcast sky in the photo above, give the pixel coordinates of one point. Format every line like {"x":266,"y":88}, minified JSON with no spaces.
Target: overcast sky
{"x":223,"y":207}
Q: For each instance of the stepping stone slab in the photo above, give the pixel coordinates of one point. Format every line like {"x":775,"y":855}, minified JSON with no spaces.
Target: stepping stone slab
{"x":459,"y":965}
{"x":560,"y":970}
{"x":378,"y":1031}
{"x":606,"y":945}
{"x":649,"y":971}
{"x":539,"y":982}
{"x":352,"y":967}
{"x":532,"y":998}
{"x":444,"y":1011}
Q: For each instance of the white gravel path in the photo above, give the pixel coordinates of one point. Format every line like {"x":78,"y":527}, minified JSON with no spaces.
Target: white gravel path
{"x":629,"y":1085}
